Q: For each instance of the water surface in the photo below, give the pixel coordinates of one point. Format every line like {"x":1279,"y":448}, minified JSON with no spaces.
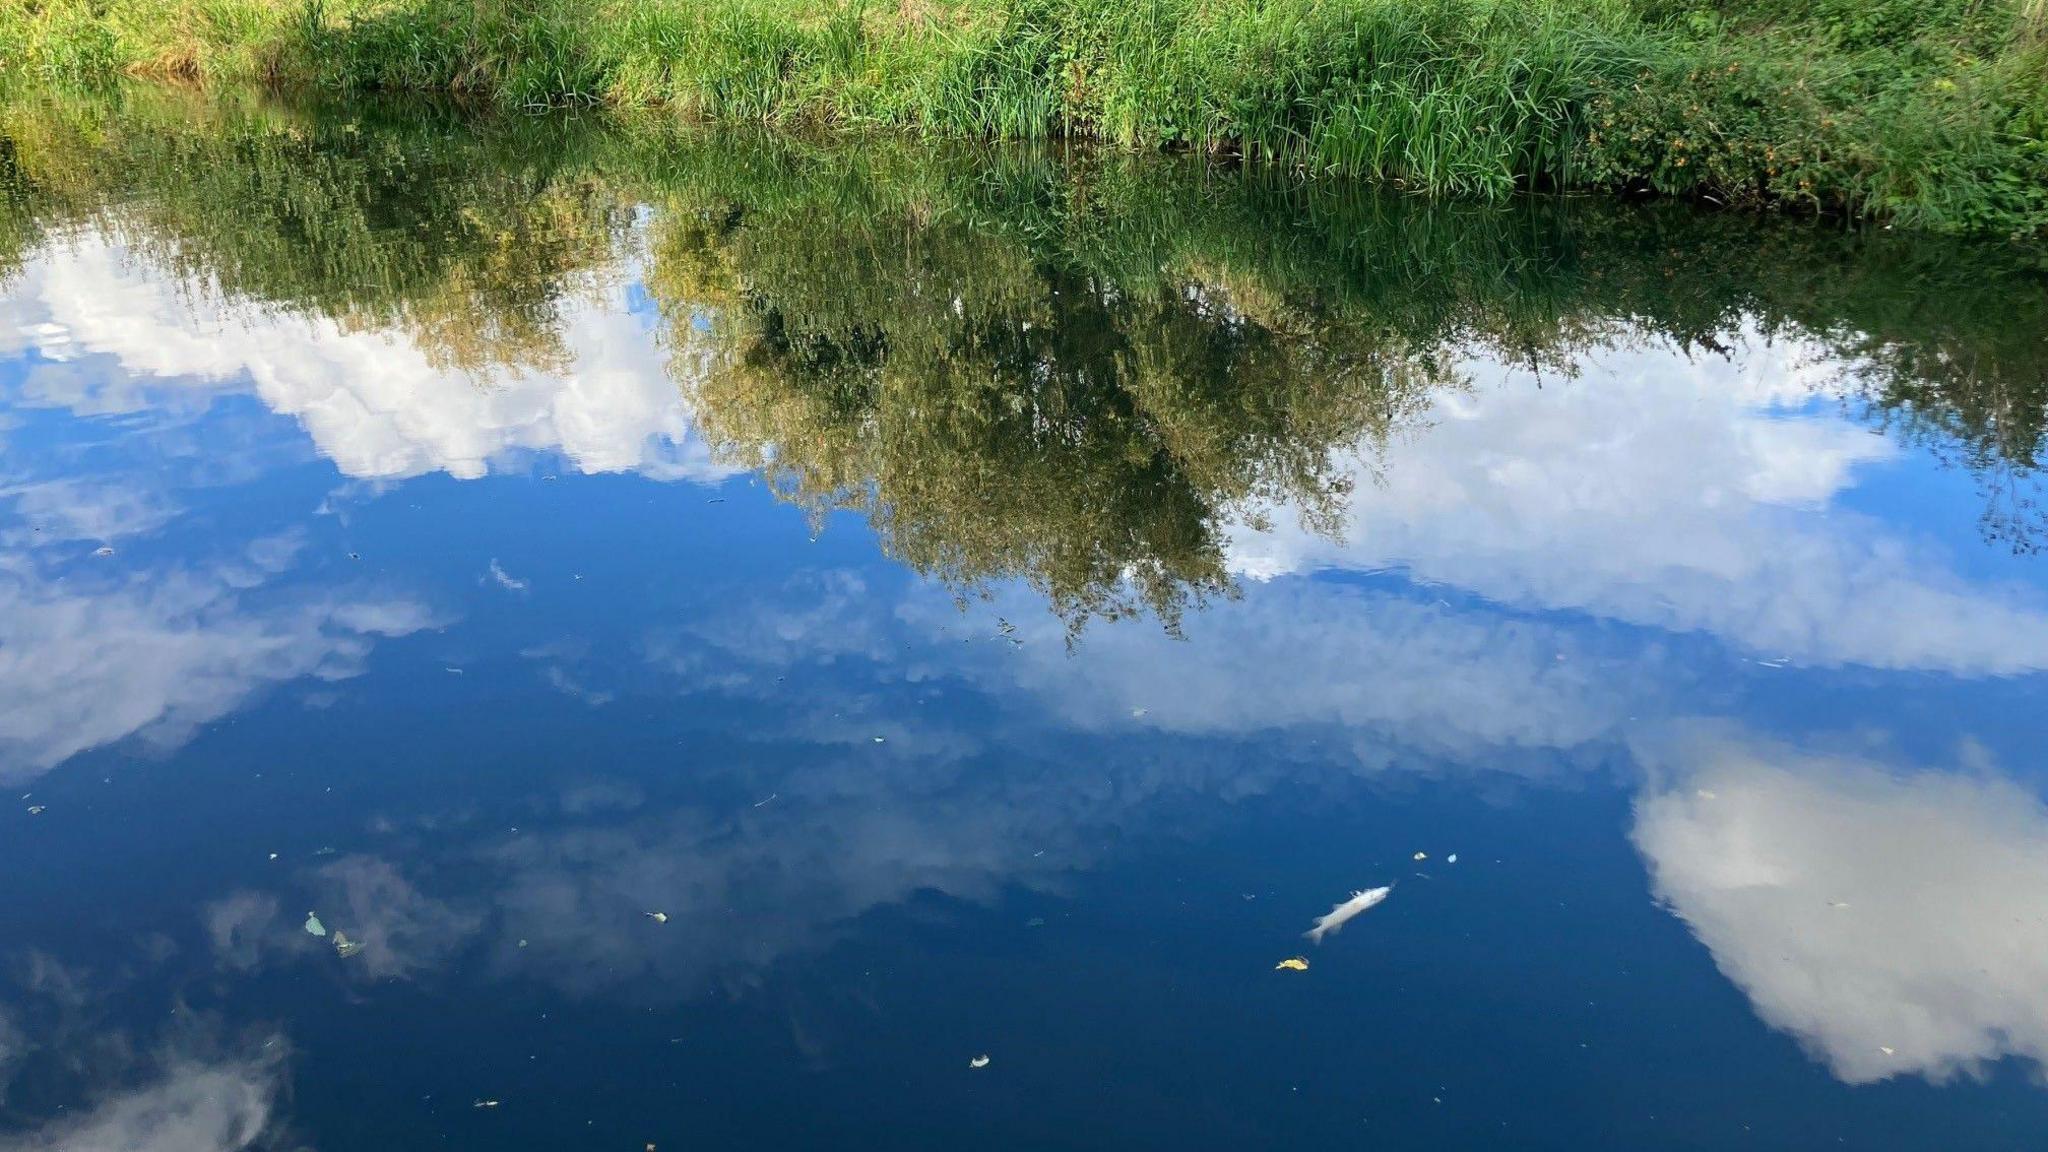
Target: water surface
{"x":989,"y":603}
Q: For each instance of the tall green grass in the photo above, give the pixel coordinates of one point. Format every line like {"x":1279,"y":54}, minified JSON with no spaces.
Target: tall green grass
{"x":1932,"y":113}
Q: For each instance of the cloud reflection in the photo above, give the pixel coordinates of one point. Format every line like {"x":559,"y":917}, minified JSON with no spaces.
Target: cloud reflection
{"x":1687,"y":494}
{"x":85,"y":663}
{"x":1893,"y":922}
{"x":372,"y":401}
{"x":191,"y":1106}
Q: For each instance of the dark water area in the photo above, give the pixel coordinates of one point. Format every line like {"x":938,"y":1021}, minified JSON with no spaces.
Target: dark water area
{"x":719,"y":634}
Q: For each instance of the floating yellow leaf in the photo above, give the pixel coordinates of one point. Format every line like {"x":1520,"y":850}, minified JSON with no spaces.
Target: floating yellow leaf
{"x":1296,"y":963}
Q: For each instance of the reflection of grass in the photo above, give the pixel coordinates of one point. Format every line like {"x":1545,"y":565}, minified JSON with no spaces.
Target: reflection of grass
{"x":1933,"y":112}
{"x":1071,"y":368}
{"x":471,"y":252}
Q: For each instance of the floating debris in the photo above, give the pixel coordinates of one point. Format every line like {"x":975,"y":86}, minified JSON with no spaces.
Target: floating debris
{"x":978,"y":1062}
{"x":1451,"y":859}
{"x":658,"y":917}
{"x":1293,"y":964}
{"x":345,"y":947}
{"x":313,"y":925}
{"x":36,"y":809}
{"x":485,"y":1104}
{"x":771,"y":796}
{"x":879,"y":740}
{"x":1035,"y":922}
{"x":1420,"y":856}
{"x":1706,"y":794}
{"x":1886,"y":1051}
{"x":273,"y":855}
{"x":1359,"y":902}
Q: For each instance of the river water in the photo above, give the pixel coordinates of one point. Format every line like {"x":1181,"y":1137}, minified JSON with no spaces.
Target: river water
{"x":719,"y":634}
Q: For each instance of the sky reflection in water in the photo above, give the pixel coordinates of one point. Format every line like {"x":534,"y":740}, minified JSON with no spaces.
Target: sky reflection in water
{"x":992,"y":603}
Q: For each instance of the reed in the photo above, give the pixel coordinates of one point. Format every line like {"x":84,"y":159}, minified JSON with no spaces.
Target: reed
{"x":1931,"y":113}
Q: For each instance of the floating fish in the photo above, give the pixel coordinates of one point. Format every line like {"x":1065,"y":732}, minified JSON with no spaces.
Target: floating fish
{"x":1293,"y":963}
{"x":978,"y":1062}
{"x":658,"y":917}
{"x":1359,"y":902}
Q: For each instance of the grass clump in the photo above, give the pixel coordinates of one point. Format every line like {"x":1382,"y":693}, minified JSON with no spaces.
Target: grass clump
{"x":1931,"y":113}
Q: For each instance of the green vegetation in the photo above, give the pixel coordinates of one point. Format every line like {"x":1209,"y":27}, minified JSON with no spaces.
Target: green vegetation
{"x":469,"y":243}
{"x":1931,"y":113}
{"x":1018,"y":363}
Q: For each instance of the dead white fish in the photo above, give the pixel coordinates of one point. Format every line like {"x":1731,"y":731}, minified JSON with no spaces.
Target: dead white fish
{"x":978,"y":1062}
{"x":1339,"y":915}
{"x":658,"y":917}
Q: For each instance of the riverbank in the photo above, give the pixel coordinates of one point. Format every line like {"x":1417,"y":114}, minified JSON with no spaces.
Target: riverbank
{"x":1928,"y":113}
